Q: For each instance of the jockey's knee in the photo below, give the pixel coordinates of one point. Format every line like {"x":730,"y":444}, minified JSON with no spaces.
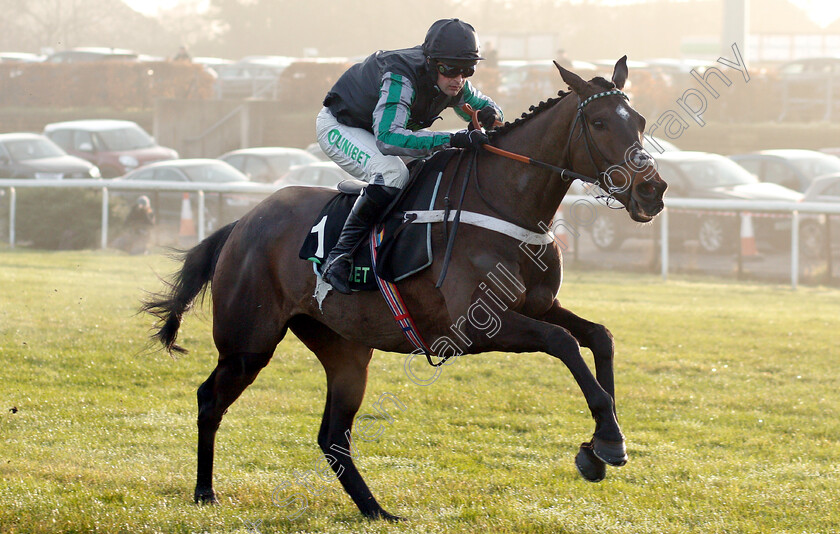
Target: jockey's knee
{"x":388,"y":171}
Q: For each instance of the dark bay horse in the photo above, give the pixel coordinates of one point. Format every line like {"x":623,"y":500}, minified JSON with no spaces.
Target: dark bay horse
{"x":261,"y":289}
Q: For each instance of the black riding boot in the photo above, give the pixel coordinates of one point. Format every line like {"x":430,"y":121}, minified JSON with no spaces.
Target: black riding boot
{"x":365,"y":213}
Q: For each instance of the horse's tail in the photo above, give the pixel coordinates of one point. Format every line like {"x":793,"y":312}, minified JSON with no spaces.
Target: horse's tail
{"x":186,"y":284}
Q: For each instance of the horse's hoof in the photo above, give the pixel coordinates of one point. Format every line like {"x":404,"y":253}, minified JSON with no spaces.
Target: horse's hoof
{"x":205,"y":496}
{"x":588,"y":465}
{"x":382,"y":514}
{"x":611,"y":452}
{"x":391,"y":517}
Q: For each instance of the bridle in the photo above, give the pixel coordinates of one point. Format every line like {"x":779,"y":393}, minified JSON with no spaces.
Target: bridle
{"x":638,"y":158}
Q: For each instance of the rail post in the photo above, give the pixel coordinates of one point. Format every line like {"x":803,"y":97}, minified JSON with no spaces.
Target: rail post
{"x":794,"y":249}
{"x":12,"y":215}
{"x":663,"y":216}
{"x":104,"y":218}
{"x":200,"y":216}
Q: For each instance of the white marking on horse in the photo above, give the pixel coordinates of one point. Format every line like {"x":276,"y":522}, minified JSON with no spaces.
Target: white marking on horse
{"x":621,"y":111}
{"x":321,"y":290}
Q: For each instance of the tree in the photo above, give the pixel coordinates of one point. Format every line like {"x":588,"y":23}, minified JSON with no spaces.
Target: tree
{"x":36,"y":25}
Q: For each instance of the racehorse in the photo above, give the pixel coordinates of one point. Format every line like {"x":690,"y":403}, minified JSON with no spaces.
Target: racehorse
{"x":261,"y":288}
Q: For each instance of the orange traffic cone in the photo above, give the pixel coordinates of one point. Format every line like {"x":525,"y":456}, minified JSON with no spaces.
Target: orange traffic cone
{"x":187,"y":222}
{"x":748,"y":247}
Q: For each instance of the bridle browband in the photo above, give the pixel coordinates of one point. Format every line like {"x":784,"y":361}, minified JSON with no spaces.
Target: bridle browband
{"x":601,"y":95}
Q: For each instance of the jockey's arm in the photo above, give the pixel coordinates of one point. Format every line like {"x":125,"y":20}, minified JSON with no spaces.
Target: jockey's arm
{"x":390,"y":120}
{"x":477,"y":100}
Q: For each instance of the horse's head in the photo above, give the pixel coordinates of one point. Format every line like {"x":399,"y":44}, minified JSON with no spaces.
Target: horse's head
{"x":606,"y":141}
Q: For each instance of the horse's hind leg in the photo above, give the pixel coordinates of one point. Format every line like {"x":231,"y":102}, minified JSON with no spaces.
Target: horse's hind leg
{"x":232,"y":375}
{"x":346,"y":365}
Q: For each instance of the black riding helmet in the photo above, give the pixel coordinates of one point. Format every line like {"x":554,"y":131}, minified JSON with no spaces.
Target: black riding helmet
{"x":453,"y":41}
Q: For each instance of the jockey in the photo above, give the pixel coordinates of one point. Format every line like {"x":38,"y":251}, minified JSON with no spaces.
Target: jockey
{"x":375,"y":115}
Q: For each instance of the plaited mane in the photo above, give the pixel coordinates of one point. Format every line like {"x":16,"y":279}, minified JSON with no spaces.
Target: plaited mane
{"x":544,"y":105}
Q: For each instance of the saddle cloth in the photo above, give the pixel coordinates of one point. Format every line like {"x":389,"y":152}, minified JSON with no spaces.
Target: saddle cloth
{"x":405,"y":248}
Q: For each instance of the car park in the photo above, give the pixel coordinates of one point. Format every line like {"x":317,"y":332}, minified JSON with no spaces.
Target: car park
{"x":701,"y":175}
{"x":791,"y":168}
{"x":28,"y":155}
{"x":323,"y":173}
{"x":220,"y":208}
{"x":267,"y":164}
{"x":115,"y":146}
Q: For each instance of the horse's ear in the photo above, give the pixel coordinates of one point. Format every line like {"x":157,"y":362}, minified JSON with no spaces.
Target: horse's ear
{"x":620,"y":73}
{"x":575,"y":82}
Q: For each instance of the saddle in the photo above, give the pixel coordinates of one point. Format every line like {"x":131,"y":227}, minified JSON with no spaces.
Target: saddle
{"x":404,"y":249}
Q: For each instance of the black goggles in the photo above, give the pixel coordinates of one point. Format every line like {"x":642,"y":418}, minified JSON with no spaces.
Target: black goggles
{"x":453,"y":72}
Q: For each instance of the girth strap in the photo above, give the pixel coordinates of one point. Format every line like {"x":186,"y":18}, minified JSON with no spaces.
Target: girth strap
{"x":483,"y":221}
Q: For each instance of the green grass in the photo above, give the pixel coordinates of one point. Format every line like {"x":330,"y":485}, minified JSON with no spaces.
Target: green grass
{"x":727,"y":394}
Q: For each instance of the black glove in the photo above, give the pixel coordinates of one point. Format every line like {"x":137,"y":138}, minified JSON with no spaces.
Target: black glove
{"x":468,"y":139}
{"x":487,"y":117}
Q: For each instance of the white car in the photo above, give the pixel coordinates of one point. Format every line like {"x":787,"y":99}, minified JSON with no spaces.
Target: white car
{"x":322,"y":173}
{"x":267,"y":164}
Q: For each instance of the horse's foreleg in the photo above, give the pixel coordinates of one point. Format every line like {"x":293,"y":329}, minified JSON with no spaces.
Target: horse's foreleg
{"x":591,"y":335}
{"x":232,"y":375}
{"x":518,"y":333}
{"x":599,"y":340}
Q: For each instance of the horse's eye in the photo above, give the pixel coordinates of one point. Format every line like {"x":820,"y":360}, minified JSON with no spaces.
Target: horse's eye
{"x":599,"y":125}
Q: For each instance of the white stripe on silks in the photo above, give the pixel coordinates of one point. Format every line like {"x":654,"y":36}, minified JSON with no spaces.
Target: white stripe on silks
{"x":483,"y":221}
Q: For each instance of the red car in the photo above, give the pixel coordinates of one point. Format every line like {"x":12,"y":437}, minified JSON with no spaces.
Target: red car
{"x":115,"y":146}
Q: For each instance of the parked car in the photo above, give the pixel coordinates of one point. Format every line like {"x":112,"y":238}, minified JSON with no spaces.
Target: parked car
{"x":115,"y":146}
{"x":28,"y":155}
{"x":657,"y":145}
{"x":522,"y":83}
{"x":701,"y":175}
{"x":251,"y":76}
{"x":167,"y":204}
{"x":91,"y":53}
{"x":322,"y":173}
{"x":212,"y":64}
{"x":20,"y":57}
{"x":315,"y":150}
{"x":812,"y":231}
{"x":267,"y":164}
{"x":794,"y":169}
{"x":807,"y":86}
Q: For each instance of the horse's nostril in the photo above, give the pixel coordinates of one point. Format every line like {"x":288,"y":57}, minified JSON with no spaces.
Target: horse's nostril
{"x":647,"y":189}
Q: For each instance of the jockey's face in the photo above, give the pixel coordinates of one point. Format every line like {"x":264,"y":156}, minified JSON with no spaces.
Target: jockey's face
{"x":451,"y":86}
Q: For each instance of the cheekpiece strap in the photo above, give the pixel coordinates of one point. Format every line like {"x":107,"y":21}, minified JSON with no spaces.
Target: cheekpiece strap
{"x":601,"y":95}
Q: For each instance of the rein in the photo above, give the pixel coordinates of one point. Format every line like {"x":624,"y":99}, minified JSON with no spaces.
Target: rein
{"x":537,"y":163}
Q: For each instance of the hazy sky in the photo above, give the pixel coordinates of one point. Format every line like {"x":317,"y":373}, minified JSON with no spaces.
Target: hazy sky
{"x":823,"y":12}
